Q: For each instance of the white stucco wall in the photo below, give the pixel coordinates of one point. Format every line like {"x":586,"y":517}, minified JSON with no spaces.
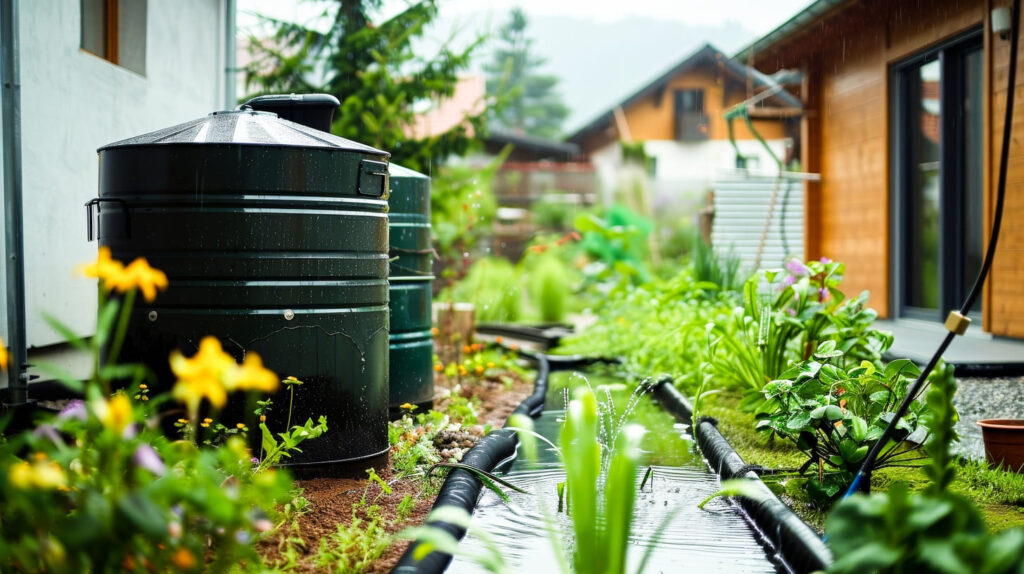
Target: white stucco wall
{"x":74,"y":102}
{"x":684,"y":169}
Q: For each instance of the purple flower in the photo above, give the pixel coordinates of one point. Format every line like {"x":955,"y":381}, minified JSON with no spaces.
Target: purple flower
{"x":824,"y":294}
{"x":788,"y":280}
{"x":146,"y":457}
{"x":74,"y":410}
{"x":49,"y":432}
{"x":795,"y":267}
{"x":255,"y":461}
{"x":791,"y":311}
{"x":826,"y":260}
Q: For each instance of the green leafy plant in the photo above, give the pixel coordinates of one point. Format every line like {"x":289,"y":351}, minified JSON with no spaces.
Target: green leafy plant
{"x":549,"y":288}
{"x":835,"y":415}
{"x":932,"y":531}
{"x":98,"y":488}
{"x":492,"y":285}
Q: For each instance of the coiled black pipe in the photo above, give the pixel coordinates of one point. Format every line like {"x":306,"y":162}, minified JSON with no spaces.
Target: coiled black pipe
{"x":794,"y":542}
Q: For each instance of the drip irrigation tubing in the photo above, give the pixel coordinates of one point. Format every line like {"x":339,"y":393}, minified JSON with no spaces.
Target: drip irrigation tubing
{"x":796,"y":546}
{"x":957,"y":321}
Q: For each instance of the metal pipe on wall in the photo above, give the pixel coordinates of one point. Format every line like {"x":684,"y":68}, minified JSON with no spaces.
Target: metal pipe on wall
{"x":230,"y":73}
{"x":13,"y":224}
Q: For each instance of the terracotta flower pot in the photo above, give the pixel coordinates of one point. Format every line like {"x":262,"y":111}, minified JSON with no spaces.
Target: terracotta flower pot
{"x":1004,"y":442}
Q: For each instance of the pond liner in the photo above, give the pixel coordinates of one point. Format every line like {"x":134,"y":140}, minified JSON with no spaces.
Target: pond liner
{"x":798,"y":545}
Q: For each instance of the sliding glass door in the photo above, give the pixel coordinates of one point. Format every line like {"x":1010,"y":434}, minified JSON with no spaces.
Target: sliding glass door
{"x":937,"y":172}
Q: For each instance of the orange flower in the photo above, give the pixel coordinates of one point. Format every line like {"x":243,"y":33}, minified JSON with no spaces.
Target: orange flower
{"x":438,"y":367}
{"x":434,"y":331}
{"x":479,"y":370}
{"x":140,"y":275}
{"x":183,"y":559}
{"x":498,"y":340}
{"x":5,"y":356}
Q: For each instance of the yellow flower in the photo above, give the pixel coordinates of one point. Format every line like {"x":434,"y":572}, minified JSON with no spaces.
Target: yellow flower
{"x":207,"y":420}
{"x":240,"y":426}
{"x":252,"y":375}
{"x":263,"y":418}
{"x":5,"y":357}
{"x":183,"y":421}
{"x":479,"y":370}
{"x":42,"y":474}
{"x":407,"y":406}
{"x":211,"y":374}
{"x":201,"y":376}
{"x":140,"y":275}
{"x":105,"y":268}
{"x":115,"y":414}
{"x":143,"y":386}
{"x":490,"y":365}
{"x":462,"y":370}
{"x":205,"y":425}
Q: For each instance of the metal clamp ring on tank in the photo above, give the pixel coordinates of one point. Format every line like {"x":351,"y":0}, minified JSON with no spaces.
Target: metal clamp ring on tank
{"x":274,"y":237}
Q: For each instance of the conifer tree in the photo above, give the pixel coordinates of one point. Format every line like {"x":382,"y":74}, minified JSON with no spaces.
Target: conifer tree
{"x":533,"y":106}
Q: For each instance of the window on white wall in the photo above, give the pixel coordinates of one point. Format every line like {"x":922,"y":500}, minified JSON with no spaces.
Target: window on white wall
{"x":115,"y":30}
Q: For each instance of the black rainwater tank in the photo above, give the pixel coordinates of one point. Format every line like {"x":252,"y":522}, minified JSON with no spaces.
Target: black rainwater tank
{"x":274,"y":238}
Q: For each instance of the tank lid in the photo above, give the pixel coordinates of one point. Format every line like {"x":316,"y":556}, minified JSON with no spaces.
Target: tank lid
{"x":245,"y":127}
{"x":395,"y":170}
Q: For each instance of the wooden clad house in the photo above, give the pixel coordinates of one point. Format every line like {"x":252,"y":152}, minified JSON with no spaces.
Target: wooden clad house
{"x":904,"y":105}
{"x":679,"y":117}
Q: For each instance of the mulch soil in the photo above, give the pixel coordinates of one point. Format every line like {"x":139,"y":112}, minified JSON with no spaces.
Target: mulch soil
{"x":331,"y":499}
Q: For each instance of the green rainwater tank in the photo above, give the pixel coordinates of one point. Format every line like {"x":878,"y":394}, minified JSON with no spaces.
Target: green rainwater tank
{"x":274,"y":238}
{"x":412,"y":349}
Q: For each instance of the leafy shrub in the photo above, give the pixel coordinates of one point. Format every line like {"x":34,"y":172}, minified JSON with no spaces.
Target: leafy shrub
{"x":550,"y":289}
{"x":492,"y":285}
{"x":835,"y":415}
{"x":932,"y":531}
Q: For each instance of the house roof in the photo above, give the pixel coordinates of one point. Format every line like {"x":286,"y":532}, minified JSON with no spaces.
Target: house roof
{"x":812,"y":13}
{"x":704,"y":56}
{"x":532,"y":143}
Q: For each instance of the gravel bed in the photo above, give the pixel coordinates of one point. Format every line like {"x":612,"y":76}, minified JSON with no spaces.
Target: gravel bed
{"x":978,"y":398}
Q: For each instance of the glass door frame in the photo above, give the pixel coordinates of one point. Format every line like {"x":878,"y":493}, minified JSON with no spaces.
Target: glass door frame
{"x":951,"y":173}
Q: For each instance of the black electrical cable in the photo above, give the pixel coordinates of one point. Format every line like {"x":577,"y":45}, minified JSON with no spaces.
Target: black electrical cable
{"x":869,"y":461}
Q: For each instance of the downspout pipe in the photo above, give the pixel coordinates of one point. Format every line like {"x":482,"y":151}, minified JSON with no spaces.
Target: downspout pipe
{"x":230,"y":61}
{"x":13,"y":222}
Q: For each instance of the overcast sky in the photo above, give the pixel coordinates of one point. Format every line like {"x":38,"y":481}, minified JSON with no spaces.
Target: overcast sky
{"x":601,"y":50}
{"x":759,"y":16}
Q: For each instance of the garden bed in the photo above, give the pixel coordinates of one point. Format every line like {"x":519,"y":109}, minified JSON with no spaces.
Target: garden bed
{"x":349,"y":525}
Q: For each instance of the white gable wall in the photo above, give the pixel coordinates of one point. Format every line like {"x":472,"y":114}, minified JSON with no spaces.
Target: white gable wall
{"x":73,"y":102}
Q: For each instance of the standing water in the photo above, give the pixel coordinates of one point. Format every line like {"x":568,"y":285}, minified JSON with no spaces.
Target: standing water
{"x":716,"y":539}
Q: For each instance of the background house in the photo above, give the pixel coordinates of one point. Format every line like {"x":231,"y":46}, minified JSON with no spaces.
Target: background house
{"x":94,"y":72}
{"x":679,"y":118}
{"x":904,"y":117}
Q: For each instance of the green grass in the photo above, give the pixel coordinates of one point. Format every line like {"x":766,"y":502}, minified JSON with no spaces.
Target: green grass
{"x":999,"y":494}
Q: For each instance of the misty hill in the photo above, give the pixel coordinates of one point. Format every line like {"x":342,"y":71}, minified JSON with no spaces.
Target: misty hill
{"x":601,"y":64}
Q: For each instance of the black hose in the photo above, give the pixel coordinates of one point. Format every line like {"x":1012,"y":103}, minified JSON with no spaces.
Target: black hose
{"x":859,"y":482}
{"x":795,"y":544}
{"x":462,"y":488}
